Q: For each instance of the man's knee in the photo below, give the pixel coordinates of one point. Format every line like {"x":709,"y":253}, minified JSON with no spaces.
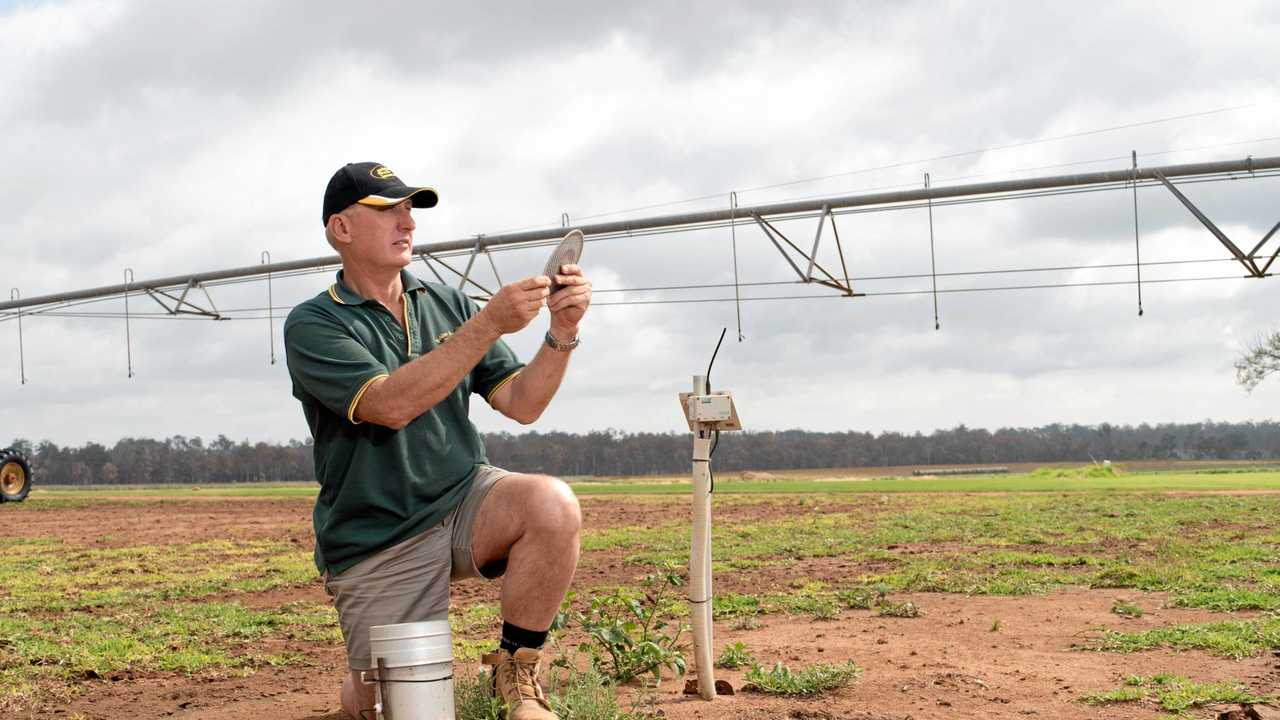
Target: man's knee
{"x":555,"y":508}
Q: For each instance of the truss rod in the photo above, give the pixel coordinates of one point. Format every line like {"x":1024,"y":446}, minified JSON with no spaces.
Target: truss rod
{"x":1122,"y":176}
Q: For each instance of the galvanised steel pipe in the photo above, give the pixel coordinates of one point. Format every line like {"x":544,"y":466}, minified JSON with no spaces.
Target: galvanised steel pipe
{"x":1246,"y":165}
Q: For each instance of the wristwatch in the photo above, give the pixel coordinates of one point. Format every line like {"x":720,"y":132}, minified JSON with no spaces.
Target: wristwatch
{"x":558,"y":346}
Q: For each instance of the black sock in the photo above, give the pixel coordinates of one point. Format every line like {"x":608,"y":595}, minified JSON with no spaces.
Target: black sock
{"x":515,"y":637}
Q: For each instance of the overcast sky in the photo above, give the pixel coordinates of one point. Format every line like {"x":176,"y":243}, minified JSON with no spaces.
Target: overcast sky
{"x":173,"y":137}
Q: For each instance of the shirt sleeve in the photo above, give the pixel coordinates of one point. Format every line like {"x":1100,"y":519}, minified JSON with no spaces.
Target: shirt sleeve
{"x":330,"y":364}
{"x":498,"y":367}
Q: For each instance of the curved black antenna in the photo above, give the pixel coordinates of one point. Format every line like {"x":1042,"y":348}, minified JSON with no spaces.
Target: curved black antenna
{"x":713,"y":357}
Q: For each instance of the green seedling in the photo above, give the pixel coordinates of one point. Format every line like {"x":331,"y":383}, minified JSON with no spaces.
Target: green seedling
{"x":735,"y":656}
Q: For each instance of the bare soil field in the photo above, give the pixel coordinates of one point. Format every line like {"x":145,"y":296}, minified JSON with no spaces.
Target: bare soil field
{"x":971,"y":655}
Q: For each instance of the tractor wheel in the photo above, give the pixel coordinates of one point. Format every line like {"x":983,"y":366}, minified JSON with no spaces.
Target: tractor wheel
{"x":15,"y":477}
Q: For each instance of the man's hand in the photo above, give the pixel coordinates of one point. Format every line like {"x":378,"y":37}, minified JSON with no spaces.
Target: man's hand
{"x":516,"y":304}
{"x":570,"y":303}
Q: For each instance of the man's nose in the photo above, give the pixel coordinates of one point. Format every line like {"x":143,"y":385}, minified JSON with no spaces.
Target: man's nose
{"x":406,"y":219}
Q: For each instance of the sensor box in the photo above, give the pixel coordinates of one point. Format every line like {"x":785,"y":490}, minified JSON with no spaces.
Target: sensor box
{"x":710,"y":408}
{"x":713,"y":411}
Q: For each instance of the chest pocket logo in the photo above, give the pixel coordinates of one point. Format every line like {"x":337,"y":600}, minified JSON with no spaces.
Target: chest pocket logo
{"x":442,"y":337}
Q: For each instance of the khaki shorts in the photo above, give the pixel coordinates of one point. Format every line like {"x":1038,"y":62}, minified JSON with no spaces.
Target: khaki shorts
{"x":409,"y":582}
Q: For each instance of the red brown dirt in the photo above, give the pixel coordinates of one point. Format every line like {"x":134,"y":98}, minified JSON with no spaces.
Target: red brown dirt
{"x":948,"y":664}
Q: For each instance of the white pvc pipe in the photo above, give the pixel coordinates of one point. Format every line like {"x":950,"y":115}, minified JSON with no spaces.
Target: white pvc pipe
{"x":700,"y":556}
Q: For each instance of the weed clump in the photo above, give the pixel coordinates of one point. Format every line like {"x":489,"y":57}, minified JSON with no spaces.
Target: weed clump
{"x":805,"y":682}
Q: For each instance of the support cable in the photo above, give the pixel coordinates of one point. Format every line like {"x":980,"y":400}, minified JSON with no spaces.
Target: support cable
{"x":271,"y":328}
{"x":933,"y":263}
{"x":128,"y":340}
{"x":887,"y":293}
{"x":22,"y":361}
{"x":733,"y":238}
{"x":937,"y":158}
{"x":61,"y":310}
{"x":1137,"y":244}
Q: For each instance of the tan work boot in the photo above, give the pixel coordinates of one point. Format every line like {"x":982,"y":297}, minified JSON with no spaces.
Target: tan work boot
{"x":515,"y":681}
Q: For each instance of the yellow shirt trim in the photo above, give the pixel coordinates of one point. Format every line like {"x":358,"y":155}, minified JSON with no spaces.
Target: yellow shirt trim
{"x":408,"y":332}
{"x":489,"y":398}
{"x":351,"y":411}
{"x":334,"y":295}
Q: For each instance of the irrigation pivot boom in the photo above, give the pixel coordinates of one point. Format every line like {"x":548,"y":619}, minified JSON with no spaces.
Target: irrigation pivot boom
{"x":707,"y":413}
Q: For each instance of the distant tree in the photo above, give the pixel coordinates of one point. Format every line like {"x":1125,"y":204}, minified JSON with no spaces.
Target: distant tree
{"x":1259,"y":360}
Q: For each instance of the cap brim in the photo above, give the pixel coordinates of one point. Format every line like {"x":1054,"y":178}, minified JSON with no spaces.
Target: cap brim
{"x":423,"y":197}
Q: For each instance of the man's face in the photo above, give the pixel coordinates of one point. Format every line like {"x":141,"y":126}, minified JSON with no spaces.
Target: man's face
{"x":381,"y":236}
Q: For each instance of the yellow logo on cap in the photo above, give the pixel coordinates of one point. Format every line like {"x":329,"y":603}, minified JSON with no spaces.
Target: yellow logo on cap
{"x":382,"y":172}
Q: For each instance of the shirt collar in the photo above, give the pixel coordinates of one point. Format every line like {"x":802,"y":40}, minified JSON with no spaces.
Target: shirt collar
{"x":340,"y":293}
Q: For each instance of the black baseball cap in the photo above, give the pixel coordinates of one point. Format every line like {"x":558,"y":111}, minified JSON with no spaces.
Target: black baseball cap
{"x":373,"y":184}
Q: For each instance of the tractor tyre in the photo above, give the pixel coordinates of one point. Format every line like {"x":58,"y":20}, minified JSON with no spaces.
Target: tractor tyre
{"x":15,"y":477}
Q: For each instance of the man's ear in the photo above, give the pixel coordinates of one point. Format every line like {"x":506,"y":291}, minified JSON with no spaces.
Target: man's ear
{"x":339,"y":229}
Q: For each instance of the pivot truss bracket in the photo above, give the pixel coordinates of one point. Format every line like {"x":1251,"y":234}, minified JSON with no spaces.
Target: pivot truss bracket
{"x":1250,"y":259}
{"x":464,"y":276}
{"x":811,"y":258}
{"x":181,"y":305}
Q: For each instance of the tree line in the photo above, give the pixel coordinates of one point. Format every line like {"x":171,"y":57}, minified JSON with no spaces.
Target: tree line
{"x":181,"y":459}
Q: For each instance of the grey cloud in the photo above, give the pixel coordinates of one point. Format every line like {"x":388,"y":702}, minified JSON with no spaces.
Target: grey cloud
{"x":161,"y":85}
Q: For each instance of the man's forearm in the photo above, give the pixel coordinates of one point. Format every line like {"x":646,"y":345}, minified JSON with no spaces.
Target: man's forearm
{"x":416,"y":387}
{"x":533,"y":388}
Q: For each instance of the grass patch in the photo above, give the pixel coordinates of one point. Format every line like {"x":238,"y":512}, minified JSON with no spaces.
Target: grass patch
{"x":1227,"y":599}
{"x":1176,"y":694}
{"x":186,"y":639}
{"x":805,"y":682}
{"x":1235,"y":640}
{"x":728,"y":606}
{"x":49,"y":578}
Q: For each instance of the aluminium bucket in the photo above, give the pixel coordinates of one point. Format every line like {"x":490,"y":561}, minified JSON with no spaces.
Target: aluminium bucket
{"x":415,"y":670}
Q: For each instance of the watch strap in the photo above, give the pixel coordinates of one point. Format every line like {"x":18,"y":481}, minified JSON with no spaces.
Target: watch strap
{"x":559,"y":346}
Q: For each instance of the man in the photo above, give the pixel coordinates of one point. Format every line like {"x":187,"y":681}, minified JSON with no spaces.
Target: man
{"x":384,"y":366}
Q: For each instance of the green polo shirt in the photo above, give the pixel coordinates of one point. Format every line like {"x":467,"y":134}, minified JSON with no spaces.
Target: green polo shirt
{"x":380,"y":486}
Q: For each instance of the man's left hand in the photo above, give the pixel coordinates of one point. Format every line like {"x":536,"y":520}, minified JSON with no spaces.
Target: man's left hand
{"x":569,"y":303}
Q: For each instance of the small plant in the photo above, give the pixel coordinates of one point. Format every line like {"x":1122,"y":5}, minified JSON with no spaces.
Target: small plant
{"x":635,"y":634}
{"x":906,"y":609}
{"x":473,"y":698}
{"x":822,"y":608}
{"x":995,"y":625}
{"x":735,"y":656}
{"x":812,"y":680}
{"x":1127,"y":609}
{"x":749,"y":622}
{"x":859,"y":598}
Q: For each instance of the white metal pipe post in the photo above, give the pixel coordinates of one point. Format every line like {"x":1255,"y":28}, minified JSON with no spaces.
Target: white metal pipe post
{"x":700,"y":552}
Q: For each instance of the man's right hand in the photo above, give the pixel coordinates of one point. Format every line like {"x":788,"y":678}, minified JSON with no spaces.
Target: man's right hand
{"x":517,"y":304}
